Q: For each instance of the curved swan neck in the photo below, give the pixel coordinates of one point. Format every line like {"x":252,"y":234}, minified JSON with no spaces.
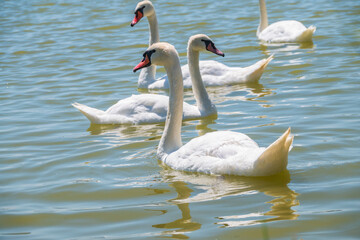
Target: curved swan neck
{"x":147,"y":75}
{"x":171,"y":137}
{"x":154,"y":29}
{"x":263,"y":17}
{"x":201,"y":96}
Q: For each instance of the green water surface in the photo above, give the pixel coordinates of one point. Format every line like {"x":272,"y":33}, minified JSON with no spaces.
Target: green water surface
{"x":62,"y":178}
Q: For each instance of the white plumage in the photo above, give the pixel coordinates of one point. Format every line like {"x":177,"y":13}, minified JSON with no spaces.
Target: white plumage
{"x":137,"y":109}
{"x":226,"y":152}
{"x":213,"y":73}
{"x":221,"y":152}
{"x":152,"y":108}
{"x":282,"y":31}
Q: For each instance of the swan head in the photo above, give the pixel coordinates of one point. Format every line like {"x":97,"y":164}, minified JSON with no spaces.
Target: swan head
{"x":160,"y":53}
{"x":143,"y":9}
{"x":202,"y":42}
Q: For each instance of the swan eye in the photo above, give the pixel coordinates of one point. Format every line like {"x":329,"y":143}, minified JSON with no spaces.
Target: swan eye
{"x":148,"y":54}
{"x":141,"y":10}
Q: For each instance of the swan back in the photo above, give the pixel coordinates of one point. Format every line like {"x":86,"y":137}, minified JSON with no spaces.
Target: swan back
{"x":226,"y":152}
{"x":285,"y":31}
{"x":220,"y":152}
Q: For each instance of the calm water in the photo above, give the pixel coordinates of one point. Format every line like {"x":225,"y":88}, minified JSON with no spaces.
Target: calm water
{"x":64,"y":179}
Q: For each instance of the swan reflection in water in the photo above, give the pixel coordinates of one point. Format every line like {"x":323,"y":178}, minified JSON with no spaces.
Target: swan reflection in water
{"x":275,"y":48}
{"x":281,"y":205}
{"x":126,"y":131}
{"x":177,"y":228}
{"x":196,"y":188}
{"x":234,"y":95}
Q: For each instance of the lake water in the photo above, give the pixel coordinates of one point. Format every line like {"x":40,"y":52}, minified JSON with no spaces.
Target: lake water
{"x":62,"y":178}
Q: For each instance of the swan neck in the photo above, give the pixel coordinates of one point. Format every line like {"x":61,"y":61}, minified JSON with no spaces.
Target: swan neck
{"x":171,"y":138}
{"x":263,"y":17}
{"x":147,"y":75}
{"x":201,"y":96}
{"x":154,"y":29}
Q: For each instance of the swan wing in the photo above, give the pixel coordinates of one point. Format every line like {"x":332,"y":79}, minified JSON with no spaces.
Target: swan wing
{"x":210,"y":72}
{"x":226,"y":152}
{"x":249,"y":74}
{"x":150,"y":108}
{"x":214,"y":73}
{"x":221,"y":152}
{"x":285,"y":31}
{"x":137,"y":109}
{"x":97,"y":116}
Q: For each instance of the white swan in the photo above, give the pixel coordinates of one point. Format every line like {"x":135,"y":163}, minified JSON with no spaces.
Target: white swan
{"x":221,"y":152}
{"x":213,"y":72}
{"x":282,"y":31}
{"x":152,"y":108}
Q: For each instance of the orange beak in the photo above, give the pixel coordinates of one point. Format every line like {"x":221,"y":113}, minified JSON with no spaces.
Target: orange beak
{"x":144,"y":63}
{"x":138,"y":16}
{"x":213,"y":49}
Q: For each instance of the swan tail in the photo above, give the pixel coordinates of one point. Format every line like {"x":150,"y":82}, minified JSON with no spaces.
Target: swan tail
{"x":306,"y":36}
{"x":258,"y":71}
{"x":93,"y":114}
{"x":312,"y":28}
{"x":275,"y":157}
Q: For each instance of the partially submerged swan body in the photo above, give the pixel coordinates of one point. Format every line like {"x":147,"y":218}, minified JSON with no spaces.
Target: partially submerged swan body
{"x":282,"y":31}
{"x":213,"y":72}
{"x":153,"y":108}
{"x":221,"y":152}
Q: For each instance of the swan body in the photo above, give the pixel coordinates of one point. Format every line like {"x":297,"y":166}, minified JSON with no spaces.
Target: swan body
{"x":218,"y":74}
{"x":232,"y":153}
{"x":213,"y":73}
{"x":282,"y":31}
{"x":152,"y":108}
{"x":137,"y":109}
{"x":221,"y":152}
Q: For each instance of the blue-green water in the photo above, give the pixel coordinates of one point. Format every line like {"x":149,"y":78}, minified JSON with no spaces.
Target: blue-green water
{"x":64,"y":179}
